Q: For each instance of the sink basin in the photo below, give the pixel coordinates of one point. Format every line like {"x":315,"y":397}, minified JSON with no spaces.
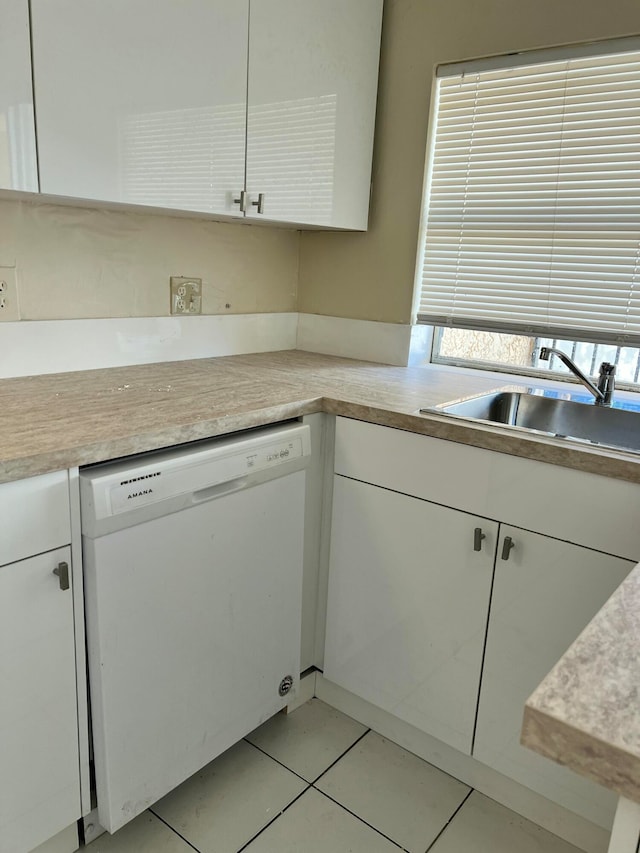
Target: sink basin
{"x":544,"y":411}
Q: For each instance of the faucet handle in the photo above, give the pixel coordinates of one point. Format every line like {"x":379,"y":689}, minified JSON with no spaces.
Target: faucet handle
{"x":606,"y":383}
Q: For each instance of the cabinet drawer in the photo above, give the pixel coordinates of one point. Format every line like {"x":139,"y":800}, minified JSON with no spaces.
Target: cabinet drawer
{"x":35,"y":516}
{"x":575,"y":506}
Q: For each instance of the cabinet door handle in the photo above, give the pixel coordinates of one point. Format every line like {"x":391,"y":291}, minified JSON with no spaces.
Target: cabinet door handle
{"x":260,"y":203}
{"x":507,"y":545}
{"x":62,"y":571}
{"x":242,"y":201}
{"x":478,"y":536}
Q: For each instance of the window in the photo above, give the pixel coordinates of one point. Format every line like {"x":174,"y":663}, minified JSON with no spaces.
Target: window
{"x":532,"y":207}
{"x":520,"y":354}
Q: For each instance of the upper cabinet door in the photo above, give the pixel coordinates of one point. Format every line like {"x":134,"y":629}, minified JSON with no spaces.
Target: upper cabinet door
{"x":18,"y":170}
{"x":313,"y":73}
{"x":142,"y":101}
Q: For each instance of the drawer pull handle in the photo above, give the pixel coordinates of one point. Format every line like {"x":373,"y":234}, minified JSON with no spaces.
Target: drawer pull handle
{"x":62,"y":571}
{"x":478,"y":536}
{"x":507,"y":545}
{"x":242,"y":201}
{"x":260,"y":203}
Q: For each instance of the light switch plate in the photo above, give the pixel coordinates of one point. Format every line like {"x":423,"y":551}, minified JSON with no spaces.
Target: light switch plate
{"x":186,"y":295}
{"x":9,"y":306}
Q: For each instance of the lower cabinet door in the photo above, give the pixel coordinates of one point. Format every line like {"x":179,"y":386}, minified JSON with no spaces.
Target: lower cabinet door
{"x":407,"y":606}
{"x":39,"y":763}
{"x":545,"y":592}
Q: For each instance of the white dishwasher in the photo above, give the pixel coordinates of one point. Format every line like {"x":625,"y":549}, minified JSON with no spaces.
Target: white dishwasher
{"x":193,"y":566}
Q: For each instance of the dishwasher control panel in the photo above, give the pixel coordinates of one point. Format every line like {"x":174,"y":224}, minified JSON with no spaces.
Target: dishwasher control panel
{"x":114,"y":488}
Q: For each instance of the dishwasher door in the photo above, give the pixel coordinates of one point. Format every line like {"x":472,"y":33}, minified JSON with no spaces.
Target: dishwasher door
{"x":193,"y":622}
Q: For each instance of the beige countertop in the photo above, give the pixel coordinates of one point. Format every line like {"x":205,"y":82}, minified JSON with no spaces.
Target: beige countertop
{"x":58,"y":421}
{"x":586,"y":713}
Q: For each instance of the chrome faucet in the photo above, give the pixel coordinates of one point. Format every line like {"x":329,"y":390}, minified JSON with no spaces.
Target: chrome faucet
{"x":603,"y":391}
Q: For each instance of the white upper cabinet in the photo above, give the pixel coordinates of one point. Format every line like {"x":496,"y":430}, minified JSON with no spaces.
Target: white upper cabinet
{"x":253,"y":108}
{"x":313,"y":74}
{"x":141,"y":101}
{"x":18,"y":170}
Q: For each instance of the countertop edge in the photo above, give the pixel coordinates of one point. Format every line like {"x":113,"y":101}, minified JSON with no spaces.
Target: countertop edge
{"x":583,"y":753}
{"x":604,"y":462}
{"x":585,"y":714}
{"x":131,"y":445}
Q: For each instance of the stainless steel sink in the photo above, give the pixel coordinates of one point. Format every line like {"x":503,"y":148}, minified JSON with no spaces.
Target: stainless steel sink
{"x":617,"y":426}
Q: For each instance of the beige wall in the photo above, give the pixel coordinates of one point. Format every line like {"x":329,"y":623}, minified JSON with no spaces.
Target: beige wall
{"x":75,"y":262}
{"x":370,"y":276}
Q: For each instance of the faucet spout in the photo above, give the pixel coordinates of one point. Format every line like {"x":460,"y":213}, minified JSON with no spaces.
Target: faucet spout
{"x":603,"y":391}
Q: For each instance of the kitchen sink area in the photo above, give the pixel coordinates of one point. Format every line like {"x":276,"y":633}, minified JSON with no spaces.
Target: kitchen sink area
{"x":556,"y":413}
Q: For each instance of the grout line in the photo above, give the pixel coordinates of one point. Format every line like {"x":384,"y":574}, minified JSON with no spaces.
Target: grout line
{"x":273,"y":820}
{"x":448,"y":823}
{"x":360,"y":819}
{"x":306,"y":781}
{"x":168,"y":825}
{"x":341,"y":756}
{"x":326,"y":770}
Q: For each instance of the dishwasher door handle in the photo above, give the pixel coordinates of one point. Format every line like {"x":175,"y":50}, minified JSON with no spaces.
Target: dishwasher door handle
{"x":220,"y":489}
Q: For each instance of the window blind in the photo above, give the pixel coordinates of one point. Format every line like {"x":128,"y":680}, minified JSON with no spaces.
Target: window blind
{"x":533,"y":200}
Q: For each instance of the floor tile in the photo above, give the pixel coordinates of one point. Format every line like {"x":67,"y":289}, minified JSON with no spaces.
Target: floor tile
{"x":314,"y":824}
{"x":145,"y":834}
{"x":404,"y":797}
{"x":308,"y":740}
{"x":224,"y":805}
{"x":484,"y":826}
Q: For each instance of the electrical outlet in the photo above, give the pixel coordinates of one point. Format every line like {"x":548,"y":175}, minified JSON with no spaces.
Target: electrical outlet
{"x":9,"y":308}
{"x":186,"y":295}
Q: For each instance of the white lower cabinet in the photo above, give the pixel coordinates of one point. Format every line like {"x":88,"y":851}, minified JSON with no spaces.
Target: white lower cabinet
{"x":411,"y":603}
{"x":544,"y":594}
{"x":407,"y":608}
{"x":39,"y":780}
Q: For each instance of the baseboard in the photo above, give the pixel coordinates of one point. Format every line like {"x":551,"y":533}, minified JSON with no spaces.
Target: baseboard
{"x":64,"y":842}
{"x":571,"y":827}
{"x":306,"y":691}
{"x":92,"y":827}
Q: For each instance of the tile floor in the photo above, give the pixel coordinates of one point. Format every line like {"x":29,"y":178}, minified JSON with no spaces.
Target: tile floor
{"x":316,"y":781}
